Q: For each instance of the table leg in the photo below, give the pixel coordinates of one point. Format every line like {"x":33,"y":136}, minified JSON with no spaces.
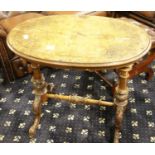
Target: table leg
{"x":121,"y":99}
{"x":40,"y":91}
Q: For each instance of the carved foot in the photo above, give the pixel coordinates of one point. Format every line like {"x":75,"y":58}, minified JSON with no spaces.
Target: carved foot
{"x":37,"y":112}
{"x":118,"y":122}
{"x":116,"y":136}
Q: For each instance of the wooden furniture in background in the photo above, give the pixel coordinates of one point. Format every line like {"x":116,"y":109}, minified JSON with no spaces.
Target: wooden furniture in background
{"x":14,"y":66}
{"x":146,"y":20}
{"x":81,"y":42}
{"x":144,"y":17}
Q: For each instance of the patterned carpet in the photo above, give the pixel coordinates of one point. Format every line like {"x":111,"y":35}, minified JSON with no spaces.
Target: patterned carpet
{"x":63,"y":122}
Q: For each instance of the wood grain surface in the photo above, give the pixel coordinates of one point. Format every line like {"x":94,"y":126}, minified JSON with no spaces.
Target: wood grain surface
{"x":79,"y":41}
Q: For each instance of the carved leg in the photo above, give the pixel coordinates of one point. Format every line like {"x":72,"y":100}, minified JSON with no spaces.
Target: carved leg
{"x":121,"y":99}
{"x":40,"y":90}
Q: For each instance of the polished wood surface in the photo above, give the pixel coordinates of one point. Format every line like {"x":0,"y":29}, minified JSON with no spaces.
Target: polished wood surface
{"x":79,"y":41}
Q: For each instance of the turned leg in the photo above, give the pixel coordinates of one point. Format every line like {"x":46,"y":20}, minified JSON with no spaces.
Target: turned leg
{"x":121,"y":99}
{"x":40,"y":90}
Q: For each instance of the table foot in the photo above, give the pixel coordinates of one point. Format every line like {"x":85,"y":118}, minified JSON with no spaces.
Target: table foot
{"x":121,"y":100}
{"x":118,"y":122}
{"x":37,"y":111}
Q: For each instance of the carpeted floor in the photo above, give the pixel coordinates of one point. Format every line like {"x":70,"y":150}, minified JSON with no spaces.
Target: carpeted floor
{"x":63,"y":122}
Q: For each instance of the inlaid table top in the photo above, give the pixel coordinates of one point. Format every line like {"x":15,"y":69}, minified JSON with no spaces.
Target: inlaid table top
{"x":79,"y":41}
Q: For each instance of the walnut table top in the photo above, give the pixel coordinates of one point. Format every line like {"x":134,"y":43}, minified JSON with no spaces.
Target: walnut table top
{"x":79,"y":41}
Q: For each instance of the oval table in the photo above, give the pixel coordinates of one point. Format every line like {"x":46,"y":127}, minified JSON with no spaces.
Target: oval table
{"x":79,"y":42}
